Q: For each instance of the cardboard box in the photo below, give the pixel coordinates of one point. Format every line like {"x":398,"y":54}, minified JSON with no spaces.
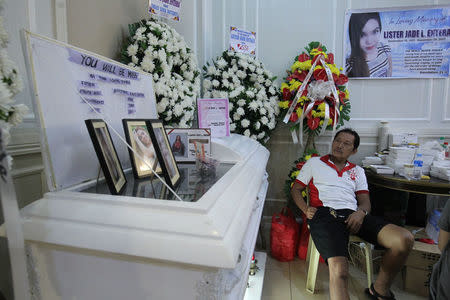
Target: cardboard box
{"x":417,"y":281}
{"x":419,"y":266}
{"x":423,"y":256}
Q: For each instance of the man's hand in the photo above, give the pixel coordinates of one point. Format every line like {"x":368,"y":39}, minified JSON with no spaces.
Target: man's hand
{"x":355,"y":220}
{"x":310,"y":212}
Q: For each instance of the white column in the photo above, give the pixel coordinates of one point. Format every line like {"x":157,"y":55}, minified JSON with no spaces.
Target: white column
{"x":61,"y":20}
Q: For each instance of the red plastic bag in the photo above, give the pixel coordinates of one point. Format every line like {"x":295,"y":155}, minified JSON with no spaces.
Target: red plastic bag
{"x":284,"y":235}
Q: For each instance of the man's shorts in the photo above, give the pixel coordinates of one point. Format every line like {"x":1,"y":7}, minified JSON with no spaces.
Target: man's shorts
{"x":330,"y":233}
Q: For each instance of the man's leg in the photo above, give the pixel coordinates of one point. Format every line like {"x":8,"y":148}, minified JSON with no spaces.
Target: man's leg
{"x":398,"y":241}
{"x":338,"y":267}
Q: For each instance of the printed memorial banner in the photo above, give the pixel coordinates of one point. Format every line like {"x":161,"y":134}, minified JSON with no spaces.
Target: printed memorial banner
{"x":242,"y":40}
{"x":402,"y":43}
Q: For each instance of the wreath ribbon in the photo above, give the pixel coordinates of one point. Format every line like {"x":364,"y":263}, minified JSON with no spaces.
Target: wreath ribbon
{"x":311,"y":104}
{"x":300,"y":92}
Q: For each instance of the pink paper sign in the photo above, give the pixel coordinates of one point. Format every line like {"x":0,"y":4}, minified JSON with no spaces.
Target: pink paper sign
{"x":214,"y":114}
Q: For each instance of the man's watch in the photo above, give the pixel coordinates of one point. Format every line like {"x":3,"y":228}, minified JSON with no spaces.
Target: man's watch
{"x":364,"y":211}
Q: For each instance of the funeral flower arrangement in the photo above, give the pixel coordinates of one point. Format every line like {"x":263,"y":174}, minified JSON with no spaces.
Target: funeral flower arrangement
{"x":317,"y":103}
{"x":250,"y":88}
{"x":298,"y":165}
{"x":10,"y":84}
{"x":157,"y":48}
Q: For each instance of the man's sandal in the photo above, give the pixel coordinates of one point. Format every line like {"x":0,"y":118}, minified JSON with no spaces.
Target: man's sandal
{"x":372,"y":294}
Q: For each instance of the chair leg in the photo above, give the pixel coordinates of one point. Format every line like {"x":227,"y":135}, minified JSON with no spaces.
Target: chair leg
{"x":308,"y":253}
{"x":312,"y":268}
{"x":369,"y":263}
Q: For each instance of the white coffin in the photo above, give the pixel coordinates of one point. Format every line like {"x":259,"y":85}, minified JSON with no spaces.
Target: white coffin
{"x":92,"y":246}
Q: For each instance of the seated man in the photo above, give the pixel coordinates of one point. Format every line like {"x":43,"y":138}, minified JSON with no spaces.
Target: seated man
{"x":339,"y":206}
{"x":440,"y":277}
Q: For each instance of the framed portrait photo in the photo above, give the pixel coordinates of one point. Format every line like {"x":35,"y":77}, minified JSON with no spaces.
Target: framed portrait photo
{"x":164,"y":152}
{"x":138,"y":137}
{"x":186,"y":142}
{"x":107,"y":155}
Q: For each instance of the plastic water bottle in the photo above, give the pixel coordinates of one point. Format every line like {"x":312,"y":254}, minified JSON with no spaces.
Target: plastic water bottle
{"x":418,"y":163}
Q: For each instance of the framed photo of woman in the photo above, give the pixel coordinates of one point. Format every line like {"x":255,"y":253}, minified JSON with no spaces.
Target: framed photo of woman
{"x":138,"y":137}
{"x":107,"y":155}
{"x":164,"y":152}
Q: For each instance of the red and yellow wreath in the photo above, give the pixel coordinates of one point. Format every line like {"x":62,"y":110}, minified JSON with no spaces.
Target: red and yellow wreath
{"x":324,"y":96}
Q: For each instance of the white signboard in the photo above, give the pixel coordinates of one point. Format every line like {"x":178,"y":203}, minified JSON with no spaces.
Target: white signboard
{"x":214,"y":114}
{"x":169,"y":9}
{"x":63,"y":76}
{"x":242,"y":41}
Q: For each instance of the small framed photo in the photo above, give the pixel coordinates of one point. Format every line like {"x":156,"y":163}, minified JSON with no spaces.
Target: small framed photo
{"x":185,"y":143}
{"x":107,"y":155}
{"x":164,"y":152}
{"x":138,"y":137}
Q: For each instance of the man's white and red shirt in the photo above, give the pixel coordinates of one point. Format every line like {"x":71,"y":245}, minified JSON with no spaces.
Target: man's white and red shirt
{"x":330,"y":187}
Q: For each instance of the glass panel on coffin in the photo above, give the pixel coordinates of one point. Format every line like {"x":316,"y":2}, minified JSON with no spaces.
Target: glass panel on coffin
{"x":190,"y":189}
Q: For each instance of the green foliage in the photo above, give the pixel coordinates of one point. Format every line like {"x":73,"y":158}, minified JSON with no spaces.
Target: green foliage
{"x":290,"y":180}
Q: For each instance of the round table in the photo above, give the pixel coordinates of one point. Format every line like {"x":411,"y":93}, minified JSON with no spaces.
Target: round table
{"x":433,"y":186}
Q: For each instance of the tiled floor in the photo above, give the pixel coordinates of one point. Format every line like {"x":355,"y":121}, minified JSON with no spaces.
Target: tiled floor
{"x":287,"y":281}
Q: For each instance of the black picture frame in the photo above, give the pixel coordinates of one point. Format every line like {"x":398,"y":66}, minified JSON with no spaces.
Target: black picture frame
{"x":164,"y":152}
{"x":140,"y":169}
{"x":107,"y":155}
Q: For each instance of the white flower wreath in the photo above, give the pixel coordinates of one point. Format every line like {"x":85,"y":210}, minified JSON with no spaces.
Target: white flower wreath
{"x":251,"y":91}
{"x":10,"y":84}
{"x":157,"y":48}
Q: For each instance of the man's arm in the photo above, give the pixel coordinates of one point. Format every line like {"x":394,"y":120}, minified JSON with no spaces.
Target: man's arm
{"x":443,"y":239}
{"x":296,"y":193}
{"x":355,"y":220}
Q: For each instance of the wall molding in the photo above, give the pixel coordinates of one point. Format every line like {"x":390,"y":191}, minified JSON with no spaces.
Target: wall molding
{"x":206,"y":30}
{"x":24,"y":149}
{"x":61,"y":20}
{"x":25,"y":135}
{"x":430,"y":85}
{"x":31,"y":9}
{"x":224,"y":29}
{"x":446,"y":104}
{"x":22,"y":172}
